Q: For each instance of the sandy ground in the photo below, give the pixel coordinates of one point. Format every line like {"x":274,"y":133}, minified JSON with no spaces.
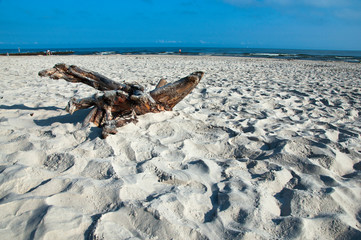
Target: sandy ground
{"x":261,"y":149}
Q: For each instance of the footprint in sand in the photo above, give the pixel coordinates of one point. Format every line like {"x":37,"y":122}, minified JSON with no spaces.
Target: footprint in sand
{"x":198,"y":166}
{"x":59,"y":162}
{"x":98,"y":169}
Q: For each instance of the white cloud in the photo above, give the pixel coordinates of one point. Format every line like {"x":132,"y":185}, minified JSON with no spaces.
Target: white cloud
{"x":168,"y":41}
{"x":305,"y":3}
{"x":348,"y":10}
{"x":326,"y":3}
{"x":349,"y":14}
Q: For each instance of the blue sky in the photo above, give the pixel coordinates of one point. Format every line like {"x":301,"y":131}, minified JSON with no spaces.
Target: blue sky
{"x":292,"y":24}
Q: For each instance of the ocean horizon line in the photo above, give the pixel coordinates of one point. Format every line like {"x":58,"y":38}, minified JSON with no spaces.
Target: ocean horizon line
{"x":304,"y":54}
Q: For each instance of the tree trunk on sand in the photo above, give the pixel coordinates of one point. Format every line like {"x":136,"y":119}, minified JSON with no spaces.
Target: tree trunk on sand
{"x":121,"y":102}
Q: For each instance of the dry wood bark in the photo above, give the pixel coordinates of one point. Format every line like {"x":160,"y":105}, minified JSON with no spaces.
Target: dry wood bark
{"x":121,"y":102}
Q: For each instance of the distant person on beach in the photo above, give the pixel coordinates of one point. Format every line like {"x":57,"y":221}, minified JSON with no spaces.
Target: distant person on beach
{"x":180,"y":50}
{"x":48,"y":53}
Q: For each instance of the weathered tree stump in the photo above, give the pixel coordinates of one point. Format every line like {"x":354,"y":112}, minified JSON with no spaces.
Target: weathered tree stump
{"x":121,"y":102}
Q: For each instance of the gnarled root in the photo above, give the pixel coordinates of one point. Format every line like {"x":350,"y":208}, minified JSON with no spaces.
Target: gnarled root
{"x":121,"y":102}
{"x":110,"y":127}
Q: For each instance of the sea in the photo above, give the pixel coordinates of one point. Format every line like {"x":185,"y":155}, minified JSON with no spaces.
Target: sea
{"x":291,"y":54}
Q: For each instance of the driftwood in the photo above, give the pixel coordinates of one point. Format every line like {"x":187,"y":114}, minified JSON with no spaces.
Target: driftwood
{"x":121,"y":102}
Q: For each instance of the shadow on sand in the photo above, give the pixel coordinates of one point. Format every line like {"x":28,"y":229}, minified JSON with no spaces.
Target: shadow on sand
{"x":23,"y":107}
{"x":77,"y":117}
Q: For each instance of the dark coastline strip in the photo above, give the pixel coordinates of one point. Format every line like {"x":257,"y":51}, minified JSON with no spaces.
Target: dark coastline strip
{"x":273,"y":55}
{"x":36,"y":53}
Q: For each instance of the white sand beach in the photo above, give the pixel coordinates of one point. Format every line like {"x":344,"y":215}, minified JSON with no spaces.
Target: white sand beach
{"x":261,"y":149}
